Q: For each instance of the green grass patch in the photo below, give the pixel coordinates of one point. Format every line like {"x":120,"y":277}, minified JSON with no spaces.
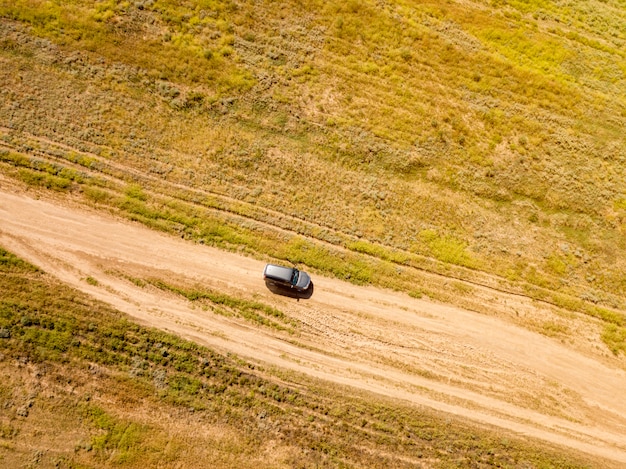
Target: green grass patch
{"x":120,"y":442}
{"x":253,"y":311}
{"x":37,"y":179}
{"x":614,"y":337}
{"x":447,"y":249}
{"x":614,"y":317}
{"x":346,"y":266}
{"x":135,"y":191}
{"x":12,"y":263}
{"x":97,"y":195}
{"x":378,"y":251}
{"x":94,"y":26}
{"x":92,"y":281}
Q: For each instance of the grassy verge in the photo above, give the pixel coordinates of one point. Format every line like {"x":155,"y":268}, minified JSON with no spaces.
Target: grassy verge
{"x":120,"y":395}
{"x":221,"y":303}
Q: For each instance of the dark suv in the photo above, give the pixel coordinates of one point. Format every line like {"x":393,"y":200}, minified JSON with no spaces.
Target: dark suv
{"x":288,"y":277}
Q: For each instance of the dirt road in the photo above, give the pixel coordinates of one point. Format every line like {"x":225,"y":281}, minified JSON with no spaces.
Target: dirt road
{"x":481,"y":367}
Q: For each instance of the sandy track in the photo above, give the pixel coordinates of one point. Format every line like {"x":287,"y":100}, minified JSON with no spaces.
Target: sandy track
{"x":415,"y":350}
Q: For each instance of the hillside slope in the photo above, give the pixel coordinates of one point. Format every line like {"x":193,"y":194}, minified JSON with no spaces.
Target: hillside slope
{"x":467,"y":153}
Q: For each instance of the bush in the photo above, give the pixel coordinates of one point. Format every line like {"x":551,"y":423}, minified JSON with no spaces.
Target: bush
{"x":96,"y":195}
{"x":36,"y":179}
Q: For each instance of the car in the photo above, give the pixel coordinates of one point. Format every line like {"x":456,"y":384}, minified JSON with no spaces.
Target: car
{"x":286,"y":277}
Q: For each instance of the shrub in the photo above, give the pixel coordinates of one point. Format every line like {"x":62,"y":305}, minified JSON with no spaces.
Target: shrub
{"x":135,"y":191}
{"x":96,"y":195}
{"x":37,"y":179}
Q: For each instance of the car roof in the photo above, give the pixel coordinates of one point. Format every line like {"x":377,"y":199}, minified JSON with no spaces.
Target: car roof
{"x":279,"y":272}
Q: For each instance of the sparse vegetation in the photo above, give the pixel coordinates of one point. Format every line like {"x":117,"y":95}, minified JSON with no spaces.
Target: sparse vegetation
{"x":250,"y":310}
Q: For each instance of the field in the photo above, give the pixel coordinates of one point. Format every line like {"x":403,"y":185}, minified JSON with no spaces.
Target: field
{"x":439,"y":149}
{"x":85,"y":387}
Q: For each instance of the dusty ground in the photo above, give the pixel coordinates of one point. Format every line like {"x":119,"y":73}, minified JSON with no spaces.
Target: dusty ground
{"x":485,"y":368}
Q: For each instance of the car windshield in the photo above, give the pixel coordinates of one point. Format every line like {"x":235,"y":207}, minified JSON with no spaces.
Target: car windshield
{"x":294,"y":277}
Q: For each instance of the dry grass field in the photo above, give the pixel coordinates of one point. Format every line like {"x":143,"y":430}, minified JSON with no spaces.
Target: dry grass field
{"x":441,"y":149}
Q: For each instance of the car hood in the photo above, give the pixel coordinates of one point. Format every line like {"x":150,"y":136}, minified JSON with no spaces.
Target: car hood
{"x":303,"y":281}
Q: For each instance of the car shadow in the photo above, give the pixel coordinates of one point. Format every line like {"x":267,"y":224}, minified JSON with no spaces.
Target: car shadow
{"x":290,"y":292}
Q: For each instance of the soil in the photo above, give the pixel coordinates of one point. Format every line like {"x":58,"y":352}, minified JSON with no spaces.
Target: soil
{"x":488,"y":368}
